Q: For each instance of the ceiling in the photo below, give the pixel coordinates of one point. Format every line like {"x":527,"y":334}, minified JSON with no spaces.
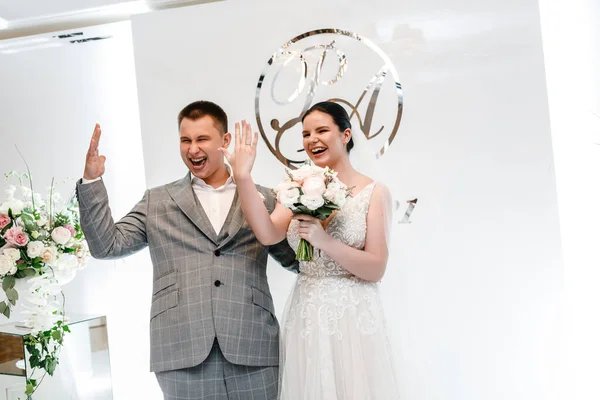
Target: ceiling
{"x":25,"y":18}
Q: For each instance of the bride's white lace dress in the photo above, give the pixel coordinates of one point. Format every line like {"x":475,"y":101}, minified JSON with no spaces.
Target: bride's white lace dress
{"x":334,"y":341}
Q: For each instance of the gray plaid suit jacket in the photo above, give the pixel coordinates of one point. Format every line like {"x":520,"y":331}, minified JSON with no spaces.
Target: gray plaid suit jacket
{"x":206,"y":284}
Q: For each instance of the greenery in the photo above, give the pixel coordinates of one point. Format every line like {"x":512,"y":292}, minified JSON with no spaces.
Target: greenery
{"x":43,"y":349}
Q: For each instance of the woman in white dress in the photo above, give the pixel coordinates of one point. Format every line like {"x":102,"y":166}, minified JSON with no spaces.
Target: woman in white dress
{"x":333,"y":341}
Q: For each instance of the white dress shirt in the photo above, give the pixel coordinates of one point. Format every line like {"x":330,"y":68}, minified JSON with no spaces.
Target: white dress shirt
{"x":215,"y":201}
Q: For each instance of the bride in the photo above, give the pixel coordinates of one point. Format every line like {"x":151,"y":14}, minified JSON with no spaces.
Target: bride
{"x":334,"y":342}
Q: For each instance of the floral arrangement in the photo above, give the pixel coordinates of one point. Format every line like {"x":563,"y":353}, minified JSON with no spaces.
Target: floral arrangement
{"x":313,"y":191}
{"x":41,"y":249}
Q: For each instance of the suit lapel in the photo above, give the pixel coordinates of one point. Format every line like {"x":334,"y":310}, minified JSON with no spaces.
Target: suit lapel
{"x":234,"y":221}
{"x":182,"y":193}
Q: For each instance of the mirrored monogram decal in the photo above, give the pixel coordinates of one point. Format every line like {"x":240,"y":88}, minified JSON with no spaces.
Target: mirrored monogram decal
{"x":327,"y":64}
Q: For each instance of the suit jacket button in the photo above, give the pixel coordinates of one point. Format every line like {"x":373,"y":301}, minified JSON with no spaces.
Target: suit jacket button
{"x":217,"y":283}
{"x":217,"y":252}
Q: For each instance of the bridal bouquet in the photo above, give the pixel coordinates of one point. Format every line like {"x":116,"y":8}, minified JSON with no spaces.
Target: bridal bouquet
{"x":313,"y":191}
{"x":41,"y":248}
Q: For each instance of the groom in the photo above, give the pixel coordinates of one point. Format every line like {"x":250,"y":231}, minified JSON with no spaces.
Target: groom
{"x":213,"y":331}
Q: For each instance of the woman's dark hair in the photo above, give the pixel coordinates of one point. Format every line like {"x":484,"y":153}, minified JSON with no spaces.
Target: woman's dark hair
{"x":339,"y":115}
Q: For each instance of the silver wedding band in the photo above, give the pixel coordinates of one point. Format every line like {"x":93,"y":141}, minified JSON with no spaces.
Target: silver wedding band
{"x":247,"y":143}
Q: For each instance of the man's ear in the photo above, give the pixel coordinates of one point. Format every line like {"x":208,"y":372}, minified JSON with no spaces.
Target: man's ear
{"x":226,"y":140}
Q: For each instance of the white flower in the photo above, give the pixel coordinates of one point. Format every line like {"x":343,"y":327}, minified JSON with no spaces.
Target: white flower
{"x":49,"y":255}
{"x":336,"y":193}
{"x":66,"y":261}
{"x":302,"y":173}
{"x":81,"y":253}
{"x":16,"y":206}
{"x":14,"y":254}
{"x":7,"y":265}
{"x":42,"y":221}
{"x":340,"y":198}
{"x":61,"y":235}
{"x":34,"y":249}
{"x":313,"y":186}
{"x":331,"y":192}
{"x":312,"y":202}
{"x":288,"y":194}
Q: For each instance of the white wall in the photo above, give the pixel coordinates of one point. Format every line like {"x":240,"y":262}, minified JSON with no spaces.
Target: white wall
{"x":473,"y":289}
{"x":50,"y":100}
{"x":572,"y":53}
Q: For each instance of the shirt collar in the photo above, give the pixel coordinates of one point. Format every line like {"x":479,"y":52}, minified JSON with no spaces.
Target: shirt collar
{"x":200,"y":183}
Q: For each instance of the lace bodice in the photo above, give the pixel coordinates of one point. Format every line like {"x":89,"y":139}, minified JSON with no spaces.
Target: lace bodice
{"x":348,"y":225}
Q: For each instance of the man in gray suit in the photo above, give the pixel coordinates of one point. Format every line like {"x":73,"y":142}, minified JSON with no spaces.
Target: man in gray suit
{"x":213,"y":331}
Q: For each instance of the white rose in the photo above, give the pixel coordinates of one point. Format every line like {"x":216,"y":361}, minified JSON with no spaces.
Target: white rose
{"x":302,"y":173}
{"x":14,"y":254}
{"x":34,"y":249}
{"x":332,"y":191}
{"x":16,"y":206}
{"x":313,"y":186}
{"x":312,"y":202}
{"x":340,"y":199}
{"x":42,"y":221}
{"x":287,"y":198}
{"x":61,"y":235}
{"x":305,"y":172}
{"x":7,"y":265}
{"x":49,"y":255}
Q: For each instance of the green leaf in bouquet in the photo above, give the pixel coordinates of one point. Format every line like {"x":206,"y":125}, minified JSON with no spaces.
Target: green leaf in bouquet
{"x":12,"y":295}
{"x":61,"y":220}
{"x":29,"y":389}
{"x":56,"y":335}
{"x":5,"y":309}
{"x":27,"y":218}
{"x":10,"y":214}
{"x":323,"y":214}
{"x":50,"y":365}
{"x":8,"y":282}
{"x":331,"y":206}
{"x":302,"y":209}
{"x":66,"y":328}
{"x":24,"y":273}
{"x":2,"y":241}
{"x":29,"y":222}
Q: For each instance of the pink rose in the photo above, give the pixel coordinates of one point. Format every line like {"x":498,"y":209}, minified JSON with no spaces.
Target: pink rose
{"x":4,"y":220}
{"x":16,"y":236}
{"x":70,"y":229}
{"x":300,"y":174}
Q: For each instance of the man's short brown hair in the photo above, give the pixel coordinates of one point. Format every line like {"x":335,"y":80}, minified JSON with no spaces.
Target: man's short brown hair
{"x":199,"y":109}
